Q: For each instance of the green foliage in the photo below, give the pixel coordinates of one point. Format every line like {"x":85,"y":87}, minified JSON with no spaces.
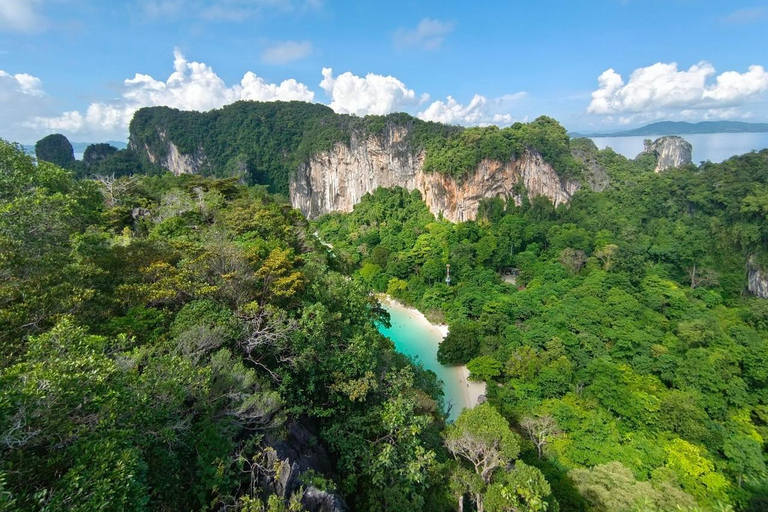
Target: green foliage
{"x":265,"y":142}
{"x":158,"y":333}
{"x":96,"y":153}
{"x":460,"y":154}
{"x":627,"y":323}
{"x":484,"y":368}
{"x":56,"y":149}
{"x":461,"y":344}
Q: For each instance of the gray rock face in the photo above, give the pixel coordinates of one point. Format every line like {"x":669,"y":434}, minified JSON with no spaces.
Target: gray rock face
{"x":336,"y":180}
{"x":175,"y":161}
{"x":757,"y":280}
{"x":293,"y":455}
{"x":670,"y":151}
{"x":315,"y":500}
{"x":595,"y":174}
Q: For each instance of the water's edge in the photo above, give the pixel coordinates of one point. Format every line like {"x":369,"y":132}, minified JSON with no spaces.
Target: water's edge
{"x":414,"y":336}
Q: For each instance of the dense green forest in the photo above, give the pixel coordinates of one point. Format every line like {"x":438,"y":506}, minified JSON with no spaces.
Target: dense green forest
{"x":161,"y":339}
{"x":626,"y":350}
{"x":188,"y":343}
{"x":264,"y":143}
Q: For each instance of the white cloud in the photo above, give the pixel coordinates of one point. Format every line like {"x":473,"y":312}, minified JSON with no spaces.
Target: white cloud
{"x":192,"y":86}
{"x":20,"y":15}
{"x":286,"y":51}
{"x":22,"y":83}
{"x":429,"y":34}
{"x":479,"y":111}
{"x":374,"y":94}
{"x":21,"y":95}
{"x":661,"y":90}
{"x":28,"y":113}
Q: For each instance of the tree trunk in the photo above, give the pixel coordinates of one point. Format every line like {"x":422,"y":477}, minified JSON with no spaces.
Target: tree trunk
{"x":461,"y":503}
{"x":479,"y":500}
{"x":693,"y":277}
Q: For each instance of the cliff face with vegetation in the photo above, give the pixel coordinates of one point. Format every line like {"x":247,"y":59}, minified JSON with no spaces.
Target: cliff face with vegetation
{"x":670,"y":152}
{"x":757,"y":279}
{"x":336,"y":180}
{"x":327,"y":162}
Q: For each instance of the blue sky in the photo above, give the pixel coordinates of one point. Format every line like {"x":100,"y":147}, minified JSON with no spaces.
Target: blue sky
{"x":64,"y":63}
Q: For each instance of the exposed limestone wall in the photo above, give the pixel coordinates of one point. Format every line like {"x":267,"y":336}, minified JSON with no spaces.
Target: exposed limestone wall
{"x":336,"y":180}
{"x":757,"y":280}
{"x":671,"y":152}
{"x":175,"y":161}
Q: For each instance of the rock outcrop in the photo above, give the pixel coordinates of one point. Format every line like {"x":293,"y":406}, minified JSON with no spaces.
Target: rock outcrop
{"x":336,"y":180}
{"x":172,"y":159}
{"x":292,"y":455}
{"x":757,"y":279}
{"x":595,"y":175}
{"x":670,"y":152}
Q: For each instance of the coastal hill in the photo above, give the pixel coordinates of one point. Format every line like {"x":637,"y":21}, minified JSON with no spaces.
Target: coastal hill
{"x":327,"y":162}
{"x":684,"y":128}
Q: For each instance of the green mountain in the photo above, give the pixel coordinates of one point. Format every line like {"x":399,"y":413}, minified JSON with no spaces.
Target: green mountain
{"x":265,"y":142}
{"x":684,"y":128}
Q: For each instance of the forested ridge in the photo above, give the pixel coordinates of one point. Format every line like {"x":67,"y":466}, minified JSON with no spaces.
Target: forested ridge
{"x":264,"y":142}
{"x":165,"y":340}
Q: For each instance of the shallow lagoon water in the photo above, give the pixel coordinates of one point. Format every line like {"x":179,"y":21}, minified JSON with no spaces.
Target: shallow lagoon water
{"x":415,"y":337}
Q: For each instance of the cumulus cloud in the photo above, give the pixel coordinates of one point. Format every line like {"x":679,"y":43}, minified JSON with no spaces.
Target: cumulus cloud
{"x":192,"y":86}
{"x":372,"y":94}
{"x":286,"y":51}
{"x":429,"y":34}
{"x":21,"y":95}
{"x":28,"y":111}
{"x":20,"y":15}
{"x":661,"y":90}
{"x":479,"y":111}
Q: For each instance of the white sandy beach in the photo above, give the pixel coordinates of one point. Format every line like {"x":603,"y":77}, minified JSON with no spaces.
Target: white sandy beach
{"x":471,"y":390}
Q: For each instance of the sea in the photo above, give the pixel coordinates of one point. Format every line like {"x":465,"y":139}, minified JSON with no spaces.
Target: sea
{"x":418,"y":340}
{"x":713,"y":147}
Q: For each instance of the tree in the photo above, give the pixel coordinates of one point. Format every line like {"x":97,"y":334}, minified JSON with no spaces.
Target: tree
{"x":605,"y":255}
{"x":539,"y":430}
{"x":573,"y":259}
{"x":55,"y":149}
{"x":613,"y":488}
{"x":745,"y":458}
{"x":484,"y":368}
{"x":482,"y":437}
{"x":96,"y":153}
{"x":113,"y":188}
{"x":461,"y":344}
{"x":463,"y":482}
{"x":523,"y":489}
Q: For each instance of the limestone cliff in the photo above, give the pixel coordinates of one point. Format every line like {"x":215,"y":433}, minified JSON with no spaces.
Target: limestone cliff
{"x":757,"y":279}
{"x":336,"y":180}
{"x":670,"y":152}
{"x":171,"y":158}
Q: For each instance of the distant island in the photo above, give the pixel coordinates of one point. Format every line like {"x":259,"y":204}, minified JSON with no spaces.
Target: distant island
{"x":79,"y":147}
{"x":684,"y":128}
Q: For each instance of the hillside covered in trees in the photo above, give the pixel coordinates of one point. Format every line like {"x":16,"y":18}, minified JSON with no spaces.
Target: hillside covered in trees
{"x":191,"y":343}
{"x":264,"y":142}
{"x":627,"y":350}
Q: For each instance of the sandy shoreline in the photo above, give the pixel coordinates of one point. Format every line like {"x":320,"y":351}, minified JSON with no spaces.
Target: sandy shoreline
{"x":471,"y":390}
